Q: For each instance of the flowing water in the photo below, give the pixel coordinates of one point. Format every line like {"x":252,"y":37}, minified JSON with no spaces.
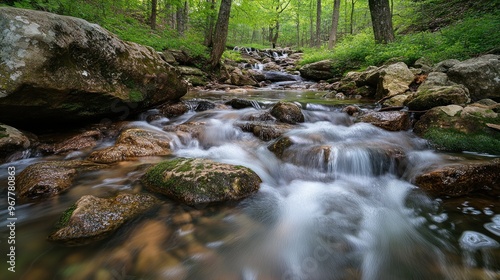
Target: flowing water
{"x":338,"y":204}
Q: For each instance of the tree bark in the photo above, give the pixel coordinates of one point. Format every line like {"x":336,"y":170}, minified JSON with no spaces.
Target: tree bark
{"x":220,"y":36}
{"x":335,"y":24}
{"x":154,"y":12}
{"x":381,"y":21}
{"x":318,"y":23}
{"x":210,"y":21}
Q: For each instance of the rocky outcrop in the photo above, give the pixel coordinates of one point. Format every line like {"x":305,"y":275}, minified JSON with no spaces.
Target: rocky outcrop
{"x":12,"y":143}
{"x":201,"y":181}
{"x":287,"y":112}
{"x":321,"y":70}
{"x":393,"y":79}
{"x":47,"y":179}
{"x":481,"y":75}
{"x":392,"y":121}
{"x":53,"y":66}
{"x":133,"y":143}
{"x":456,"y":128}
{"x":461,"y":179}
{"x":92,"y":218}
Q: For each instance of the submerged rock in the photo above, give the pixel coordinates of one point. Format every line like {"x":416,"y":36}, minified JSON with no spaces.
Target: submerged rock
{"x":132,"y":143}
{"x":47,"y":179}
{"x":92,"y":218}
{"x":200,"y":181}
{"x":12,"y":143}
{"x":287,"y":112}
{"x":265,"y":131}
{"x":461,"y":179}
{"x":53,"y":66}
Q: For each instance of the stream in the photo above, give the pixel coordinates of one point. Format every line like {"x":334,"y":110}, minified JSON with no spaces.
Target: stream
{"x":336,"y":205}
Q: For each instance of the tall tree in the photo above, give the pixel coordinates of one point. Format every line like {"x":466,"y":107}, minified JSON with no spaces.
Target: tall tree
{"x":381,"y":21}
{"x":318,"y":23}
{"x":335,"y":24}
{"x":220,"y":36}
{"x":210,"y":22}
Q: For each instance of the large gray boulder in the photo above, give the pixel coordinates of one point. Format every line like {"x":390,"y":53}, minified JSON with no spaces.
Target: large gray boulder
{"x":62,"y":69}
{"x":481,"y":75}
{"x":321,"y":70}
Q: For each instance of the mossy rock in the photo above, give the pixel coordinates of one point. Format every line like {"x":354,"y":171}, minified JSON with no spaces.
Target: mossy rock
{"x":92,"y":218}
{"x":201,"y":181}
{"x":463,"y":130}
{"x":431,"y":97}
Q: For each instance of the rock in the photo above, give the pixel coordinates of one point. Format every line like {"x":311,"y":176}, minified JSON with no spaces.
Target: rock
{"x":200,"y":181}
{"x":481,"y":75}
{"x":265,"y":131}
{"x":351,"y":110}
{"x":200,"y":105}
{"x":424,"y":64}
{"x":92,"y":218}
{"x":53,"y":66}
{"x":240,"y":77}
{"x":12,"y":143}
{"x":435,"y":79}
{"x":430,"y":97}
{"x":133,"y":143}
{"x":461,"y":179}
{"x":392,"y":121}
{"x":397,"y":101}
{"x":287,"y":112}
{"x":238,"y":103}
{"x":84,"y":140}
{"x":445,"y":65}
{"x":173,"y":110}
{"x":275,"y":76}
{"x":193,"y":75}
{"x":449,"y":129}
{"x":47,"y":179}
{"x":394,"y":79}
{"x":321,"y":70}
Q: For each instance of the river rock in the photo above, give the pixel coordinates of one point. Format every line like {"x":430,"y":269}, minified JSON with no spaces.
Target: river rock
{"x":173,"y":110}
{"x":394,"y":79}
{"x":392,"y":121}
{"x":277,"y":76}
{"x":287,"y":112}
{"x":92,"y":218}
{"x":456,"y":128}
{"x":445,"y":65}
{"x":201,"y":181}
{"x":481,"y":75}
{"x":193,"y":75}
{"x":238,"y":103}
{"x":12,"y":143}
{"x":133,"y":143}
{"x":85,"y":140}
{"x":265,"y":131}
{"x":47,"y":179}
{"x":321,"y":70}
{"x":461,"y":179}
{"x":53,"y":66}
{"x":434,"y":96}
{"x":240,"y":77}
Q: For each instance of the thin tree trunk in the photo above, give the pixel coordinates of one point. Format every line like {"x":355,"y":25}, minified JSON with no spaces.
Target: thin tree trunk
{"x":154,"y":12}
{"x":381,"y":21}
{"x":335,"y":24}
{"x":220,"y":36}
{"x":352,"y":16}
{"x":311,"y":24}
{"x":318,"y":23}
{"x":211,"y":22}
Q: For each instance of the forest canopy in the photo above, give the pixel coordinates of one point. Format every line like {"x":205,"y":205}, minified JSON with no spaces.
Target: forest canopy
{"x":338,"y":29}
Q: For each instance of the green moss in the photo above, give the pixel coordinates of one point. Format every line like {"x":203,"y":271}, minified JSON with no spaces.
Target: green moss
{"x":66,"y":215}
{"x":3,"y":132}
{"x":135,"y":95}
{"x":455,"y":141}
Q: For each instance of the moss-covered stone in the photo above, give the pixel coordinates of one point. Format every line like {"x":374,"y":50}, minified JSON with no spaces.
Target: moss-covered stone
{"x":431,"y":97}
{"x":92,"y":218}
{"x":197,"y":181}
{"x":455,"y":130}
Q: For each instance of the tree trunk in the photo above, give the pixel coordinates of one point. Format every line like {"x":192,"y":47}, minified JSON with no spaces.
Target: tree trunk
{"x":210,"y":22}
{"x":381,"y":21}
{"x":154,"y":6}
{"x":311,"y":24}
{"x":220,"y":36}
{"x":318,"y":23}
{"x":353,"y":2}
{"x":335,"y":24}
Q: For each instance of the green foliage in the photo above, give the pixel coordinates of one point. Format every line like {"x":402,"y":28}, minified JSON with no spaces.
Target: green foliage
{"x":455,"y":141}
{"x":232,"y":55}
